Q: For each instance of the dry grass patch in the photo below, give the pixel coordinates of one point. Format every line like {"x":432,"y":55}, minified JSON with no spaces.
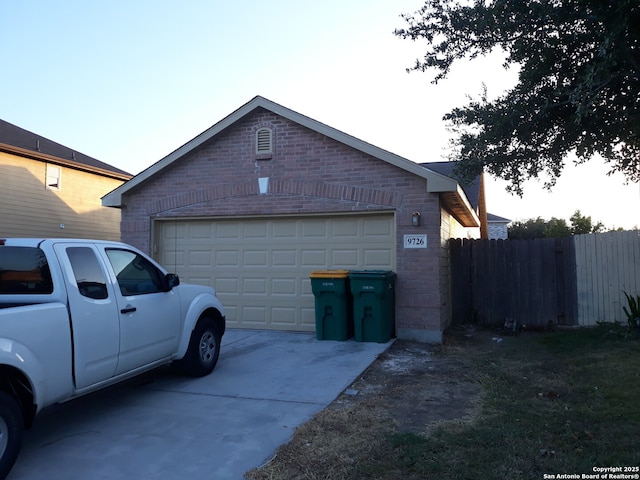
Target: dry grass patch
{"x":330,"y":446}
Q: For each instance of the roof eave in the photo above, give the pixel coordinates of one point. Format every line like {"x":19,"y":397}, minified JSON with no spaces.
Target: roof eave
{"x":457,"y":204}
{"x":23,"y":152}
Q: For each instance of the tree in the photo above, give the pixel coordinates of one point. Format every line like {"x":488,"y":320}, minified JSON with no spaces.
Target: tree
{"x":581,"y":225}
{"x":539,"y":228}
{"x":554,"y":228}
{"x":526,"y":229}
{"x":578,"y":85}
{"x":557,"y":228}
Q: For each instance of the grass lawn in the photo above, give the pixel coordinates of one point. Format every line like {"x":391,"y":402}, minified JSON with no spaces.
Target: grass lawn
{"x":550,"y":403}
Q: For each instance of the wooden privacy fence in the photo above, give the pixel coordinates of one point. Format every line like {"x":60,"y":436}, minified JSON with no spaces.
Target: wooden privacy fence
{"x":544,"y":282}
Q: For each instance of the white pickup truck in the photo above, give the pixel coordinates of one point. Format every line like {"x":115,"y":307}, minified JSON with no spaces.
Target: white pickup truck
{"x":79,"y":315}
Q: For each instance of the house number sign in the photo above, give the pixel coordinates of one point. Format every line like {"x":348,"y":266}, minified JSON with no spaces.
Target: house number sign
{"x":415,"y":241}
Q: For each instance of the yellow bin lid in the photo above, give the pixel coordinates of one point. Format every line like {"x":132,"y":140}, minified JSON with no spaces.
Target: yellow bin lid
{"x":329,"y":274}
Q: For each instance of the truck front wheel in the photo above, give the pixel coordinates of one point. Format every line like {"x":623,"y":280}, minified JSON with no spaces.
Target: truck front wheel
{"x":204,"y":349}
{"x":11,"y":427}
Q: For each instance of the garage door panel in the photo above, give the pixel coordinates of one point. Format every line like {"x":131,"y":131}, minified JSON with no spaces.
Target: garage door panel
{"x":202,"y":230}
{"x":260,"y":267}
{"x":226,"y":257}
{"x":177,"y":257}
{"x":346,"y":258}
{"x":285,"y":230}
{"x":284,"y":286}
{"x":200,"y":257}
{"x":172,"y":231}
{"x":285,"y":258}
{"x":308,"y":316}
{"x":252,"y":258}
{"x":227,"y":230}
{"x":227,"y":286}
{"x":377,"y":258}
{"x":305,"y":288}
{"x":313,"y":258}
{"x":254,"y":315}
{"x":255,"y":286}
{"x":255,"y":230}
{"x":284,"y":317}
{"x":231,"y":311}
{"x":197,"y":280}
{"x":314,"y":229}
{"x":345,"y":229}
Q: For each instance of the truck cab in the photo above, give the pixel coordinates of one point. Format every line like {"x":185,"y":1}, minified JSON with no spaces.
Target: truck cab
{"x":78,"y":315}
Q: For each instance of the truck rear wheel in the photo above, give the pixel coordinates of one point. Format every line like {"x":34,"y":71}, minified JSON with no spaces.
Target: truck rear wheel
{"x":204,"y":349}
{"x":11,"y":427}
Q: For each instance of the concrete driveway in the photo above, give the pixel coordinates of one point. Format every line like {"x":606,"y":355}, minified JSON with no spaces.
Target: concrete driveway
{"x":165,"y":426}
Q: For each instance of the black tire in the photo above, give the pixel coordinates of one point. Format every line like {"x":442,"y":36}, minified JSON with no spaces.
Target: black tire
{"x":11,"y":428}
{"x":204,"y":349}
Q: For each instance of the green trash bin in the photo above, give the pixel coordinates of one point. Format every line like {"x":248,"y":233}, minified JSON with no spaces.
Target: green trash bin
{"x":374,"y":305}
{"x":333,"y":308}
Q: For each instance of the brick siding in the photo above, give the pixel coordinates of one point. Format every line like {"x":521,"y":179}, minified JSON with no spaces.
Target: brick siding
{"x":308,"y":174}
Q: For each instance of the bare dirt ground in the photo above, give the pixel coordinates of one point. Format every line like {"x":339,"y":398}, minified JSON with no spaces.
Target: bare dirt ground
{"x":410,"y":388}
{"x":417,"y":385}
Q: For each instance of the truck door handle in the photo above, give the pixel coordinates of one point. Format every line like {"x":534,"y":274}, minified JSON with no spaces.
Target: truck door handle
{"x":128,"y":310}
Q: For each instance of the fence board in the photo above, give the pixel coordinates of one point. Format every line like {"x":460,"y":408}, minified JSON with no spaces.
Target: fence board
{"x":608,"y":265}
{"x":573,"y":281}
{"x":567,"y":289}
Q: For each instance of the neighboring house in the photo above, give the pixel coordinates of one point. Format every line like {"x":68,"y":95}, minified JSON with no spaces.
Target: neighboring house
{"x":497,"y":227}
{"x":256,"y":203}
{"x":50,"y":190}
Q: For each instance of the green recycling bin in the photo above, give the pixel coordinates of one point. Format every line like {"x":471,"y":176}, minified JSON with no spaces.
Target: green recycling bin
{"x":333,"y":308}
{"x":374,"y":305}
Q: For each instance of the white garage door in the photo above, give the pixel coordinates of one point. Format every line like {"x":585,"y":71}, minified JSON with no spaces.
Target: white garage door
{"x":260,"y":267}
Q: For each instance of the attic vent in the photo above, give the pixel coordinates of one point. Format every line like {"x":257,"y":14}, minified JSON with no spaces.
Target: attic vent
{"x":264,"y":142}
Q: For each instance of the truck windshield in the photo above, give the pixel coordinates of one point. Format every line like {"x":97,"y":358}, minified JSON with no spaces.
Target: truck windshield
{"x":24,"y":270}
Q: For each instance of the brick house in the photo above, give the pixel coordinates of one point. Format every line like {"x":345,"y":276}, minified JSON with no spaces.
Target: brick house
{"x":50,"y":190}
{"x":265,"y":196}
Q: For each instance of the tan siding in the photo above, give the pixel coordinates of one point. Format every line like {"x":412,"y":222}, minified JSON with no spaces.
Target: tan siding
{"x":446,"y":224}
{"x":27,"y":208}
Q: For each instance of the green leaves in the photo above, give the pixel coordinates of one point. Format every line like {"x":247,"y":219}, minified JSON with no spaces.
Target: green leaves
{"x":578,"y":90}
{"x":554,"y":228}
{"x":633,"y":313}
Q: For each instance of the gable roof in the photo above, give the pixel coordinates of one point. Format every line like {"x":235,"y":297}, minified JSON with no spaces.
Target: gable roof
{"x":497,"y":219}
{"x":436,"y":182}
{"x":19,"y":141}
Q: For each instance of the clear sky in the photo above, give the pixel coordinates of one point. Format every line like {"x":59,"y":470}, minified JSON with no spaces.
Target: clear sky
{"x":128,"y":82}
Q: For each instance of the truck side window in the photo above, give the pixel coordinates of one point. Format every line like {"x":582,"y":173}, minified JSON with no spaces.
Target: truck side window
{"x":89,"y":276}
{"x":24,"y":270}
{"x":135,"y":274}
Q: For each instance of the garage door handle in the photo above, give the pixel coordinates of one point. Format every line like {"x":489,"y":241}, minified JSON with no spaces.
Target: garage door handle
{"x":128,"y":310}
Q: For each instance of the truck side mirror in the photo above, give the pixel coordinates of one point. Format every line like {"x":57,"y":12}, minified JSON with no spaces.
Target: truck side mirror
{"x":172,"y":280}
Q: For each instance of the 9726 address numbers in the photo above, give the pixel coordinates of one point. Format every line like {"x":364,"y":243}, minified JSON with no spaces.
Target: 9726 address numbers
{"x":415,"y":241}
